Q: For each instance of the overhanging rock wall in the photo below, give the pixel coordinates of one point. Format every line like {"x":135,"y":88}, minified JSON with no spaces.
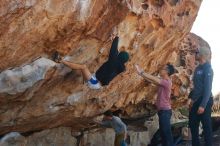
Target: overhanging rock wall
{"x":38,"y":94}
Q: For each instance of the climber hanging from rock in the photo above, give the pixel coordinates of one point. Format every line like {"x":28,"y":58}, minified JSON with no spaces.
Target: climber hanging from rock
{"x":106,"y":73}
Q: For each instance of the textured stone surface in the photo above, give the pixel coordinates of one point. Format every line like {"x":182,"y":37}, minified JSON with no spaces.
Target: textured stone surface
{"x":62,"y":137}
{"x":36,"y":94}
{"x":94,"y":137}
{"x":216,"y":106}
{"x":19,"y":79}
{"x":185,"y":65}
{"x":59,"y":137}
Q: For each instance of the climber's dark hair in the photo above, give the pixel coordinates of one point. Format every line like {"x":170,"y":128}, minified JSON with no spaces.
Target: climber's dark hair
{"x":108,"y":113}
{"x":123,"y":56}
{"x":170,"y":69}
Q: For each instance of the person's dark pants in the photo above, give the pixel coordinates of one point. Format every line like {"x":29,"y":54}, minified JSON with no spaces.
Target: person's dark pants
{"x":205,"y":118}
{"x":165,"y":127}
{"x":119,"y":140}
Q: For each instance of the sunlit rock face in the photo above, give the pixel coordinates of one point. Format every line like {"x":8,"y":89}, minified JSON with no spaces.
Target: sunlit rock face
{"x":36,"y":93}
{"x":185,"y":63}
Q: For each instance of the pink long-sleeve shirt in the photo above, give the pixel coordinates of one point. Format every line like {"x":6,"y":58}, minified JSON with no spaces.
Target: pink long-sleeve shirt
{"x":163,"y":95}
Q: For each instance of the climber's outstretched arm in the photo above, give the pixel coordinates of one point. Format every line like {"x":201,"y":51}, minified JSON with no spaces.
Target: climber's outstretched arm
{"x":113,"y":54}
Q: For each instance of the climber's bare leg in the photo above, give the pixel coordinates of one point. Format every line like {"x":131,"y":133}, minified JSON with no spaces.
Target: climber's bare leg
{"x":85,"y":71}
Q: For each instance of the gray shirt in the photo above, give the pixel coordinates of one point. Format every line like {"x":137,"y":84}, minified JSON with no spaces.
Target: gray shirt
{"x":116,"y":123}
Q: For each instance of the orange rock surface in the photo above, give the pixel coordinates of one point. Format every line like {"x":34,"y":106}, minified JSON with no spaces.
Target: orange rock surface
{"x":36,"y":93}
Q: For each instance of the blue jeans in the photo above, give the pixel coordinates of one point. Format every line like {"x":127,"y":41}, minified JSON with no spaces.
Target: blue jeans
{"x":123,"y":143}
{"x":205,"y":118}
{"x":165,"y":127}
